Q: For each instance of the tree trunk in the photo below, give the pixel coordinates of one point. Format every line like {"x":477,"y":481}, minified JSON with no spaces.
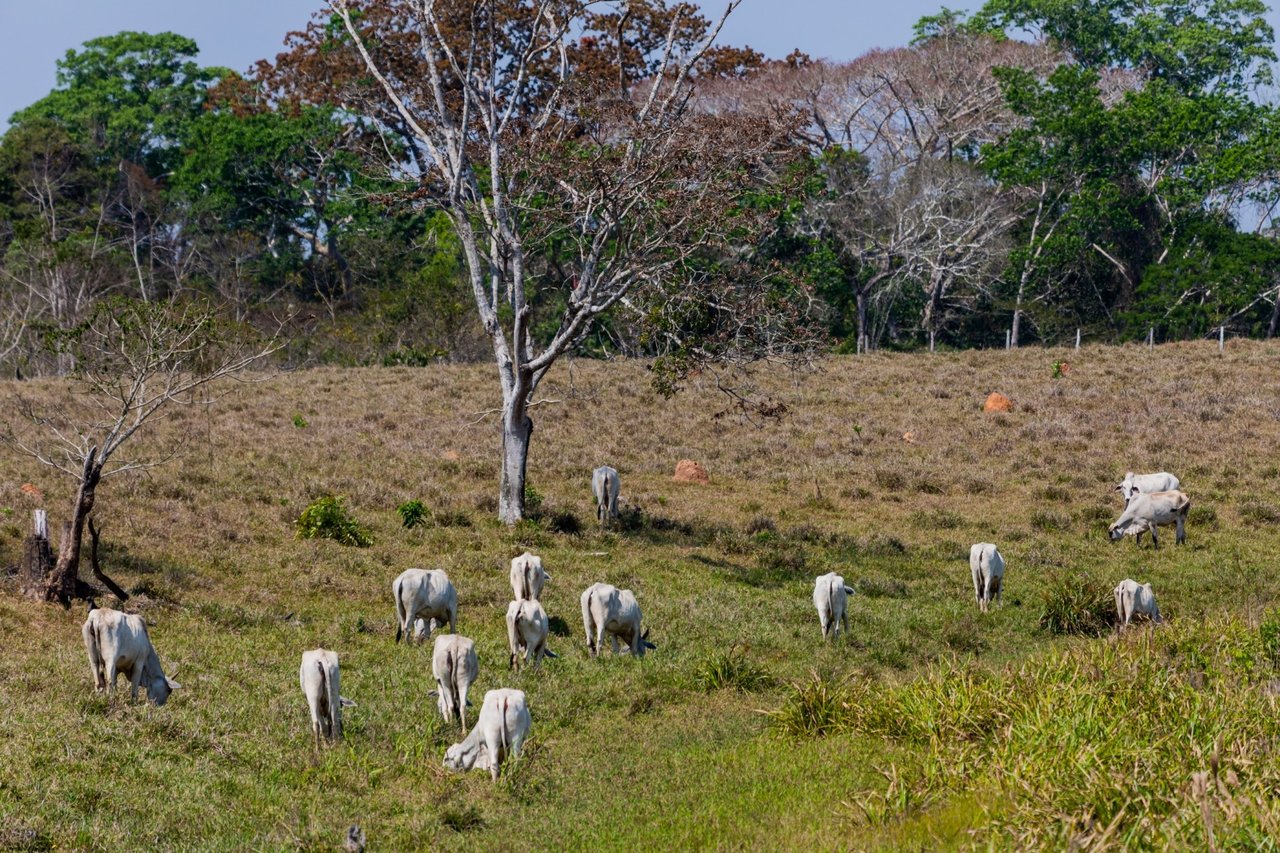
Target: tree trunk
{"x":862,"y":320}
{"x":61,"y":585}
{"x":37,"y":558}
{"x":517,"y":427}
{"x":1275,"y":317}
{"x":1017,"y":321}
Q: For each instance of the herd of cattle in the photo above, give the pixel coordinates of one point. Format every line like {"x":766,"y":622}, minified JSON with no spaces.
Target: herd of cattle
{"x":425,"y":599}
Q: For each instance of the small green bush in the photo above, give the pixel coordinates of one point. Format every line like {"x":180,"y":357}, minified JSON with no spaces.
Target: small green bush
{"x":328,"y":518}
{"x":413,"y":513}
{"x":300,"y":422}
{"x":532,"y":500}
{"x":1076,"y":603}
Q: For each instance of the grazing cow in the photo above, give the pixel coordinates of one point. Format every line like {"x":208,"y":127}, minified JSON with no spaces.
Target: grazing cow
{"x":425,"y":594}
{"x":498,"y":734}
{"x":528,"y":577}
{"x":454,"y":665}
{"x":1146,"y":512}
{"x":526,"y":632}
{"x":1146,"y":484}
{"x":609,"y":610}
{"x":118,"y":643}
{"x":318,"y":676}
{"x":987,"y":567}
{"x":831,"y":597}
{"x":604,"y":487}
{"x":1135,"y":599}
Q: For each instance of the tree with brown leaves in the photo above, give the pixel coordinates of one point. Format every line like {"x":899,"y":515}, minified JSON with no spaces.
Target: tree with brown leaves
{"x":564,"y":142}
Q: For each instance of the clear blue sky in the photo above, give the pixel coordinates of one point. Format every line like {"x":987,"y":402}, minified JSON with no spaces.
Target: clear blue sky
{"x":235,"y":33}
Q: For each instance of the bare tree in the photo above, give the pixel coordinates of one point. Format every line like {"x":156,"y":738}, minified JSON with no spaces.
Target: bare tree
{"x":613,"y":175}
{"x":133,"y":361}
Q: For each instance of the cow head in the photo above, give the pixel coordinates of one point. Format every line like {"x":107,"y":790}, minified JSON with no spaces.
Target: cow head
{"x":464,"y":756}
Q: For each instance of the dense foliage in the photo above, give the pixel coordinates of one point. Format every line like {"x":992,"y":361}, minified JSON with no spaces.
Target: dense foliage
{"x":1038,"y":167}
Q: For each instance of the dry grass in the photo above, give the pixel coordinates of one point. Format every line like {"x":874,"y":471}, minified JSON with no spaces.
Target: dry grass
{"x":234,"y":597}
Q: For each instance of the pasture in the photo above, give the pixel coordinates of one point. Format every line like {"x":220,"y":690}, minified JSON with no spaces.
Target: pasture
{"x":929,"y":726}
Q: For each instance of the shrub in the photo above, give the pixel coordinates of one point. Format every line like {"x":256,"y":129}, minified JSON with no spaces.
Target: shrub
{"x":1076,"y":603}
{"x":412,"y":513}
{"x":733,"y":670}
{"x":761,"y":524}
{"x":532,"y":500}
{"x":300,"y":422}
{"x":327,"y":518}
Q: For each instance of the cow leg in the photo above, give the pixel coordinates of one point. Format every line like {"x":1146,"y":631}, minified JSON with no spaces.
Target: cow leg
{"x":1182,"y":531}
{"x":1155,"y":539}
{"x":135,"y":681}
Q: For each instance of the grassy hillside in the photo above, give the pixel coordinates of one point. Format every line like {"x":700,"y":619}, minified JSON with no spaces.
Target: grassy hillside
{"x":930,"y":726}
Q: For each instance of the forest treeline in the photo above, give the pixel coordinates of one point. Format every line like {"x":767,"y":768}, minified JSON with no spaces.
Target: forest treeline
{"x":1032,"y":168}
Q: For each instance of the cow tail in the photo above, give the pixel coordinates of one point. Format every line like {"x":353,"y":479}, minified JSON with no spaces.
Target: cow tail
{"x":324,"y":711}
{"x":526,"y":588}
{"x":502,"y":731}
{"x":451,"y":674}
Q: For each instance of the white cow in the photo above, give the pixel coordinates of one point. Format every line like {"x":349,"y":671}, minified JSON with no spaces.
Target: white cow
{"x":831,"y":597}
{"x":118,"y":643}
{"x":609,"y":610}
{"x":454,"y":665}
{"x":1135,"y":599}
{"x":987,"y":567}
{"x":319,"y":679}
{"x":604,"y":487}
{"x":528,"y":577}
{"x":526,"y":632}
{"x":1146,"y":484}
{"x":498,"y":734}
{"x":1146,"y":512}
{"x":425,"y":594}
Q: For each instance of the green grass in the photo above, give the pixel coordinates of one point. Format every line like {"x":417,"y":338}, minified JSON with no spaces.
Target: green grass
{"x":927,"y":726}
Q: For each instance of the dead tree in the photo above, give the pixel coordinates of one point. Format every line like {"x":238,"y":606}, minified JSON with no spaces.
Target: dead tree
{"x":132,"y":361}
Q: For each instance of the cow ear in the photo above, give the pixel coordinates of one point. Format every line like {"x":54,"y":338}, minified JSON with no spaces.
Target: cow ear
{"x":546,"y":575}
{"x":173,"y":685}
{"x":345,"y":702}
{"x":433,"y":692}
{"x":645,"y":635}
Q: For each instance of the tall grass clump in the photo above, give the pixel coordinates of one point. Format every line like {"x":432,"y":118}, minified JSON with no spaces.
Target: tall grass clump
{"x":328,"y":518}
{"x":1075,"y":602}
{"x":1108,"y":737}
{"x":813,"y":708}
{"x":732,"y":669}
